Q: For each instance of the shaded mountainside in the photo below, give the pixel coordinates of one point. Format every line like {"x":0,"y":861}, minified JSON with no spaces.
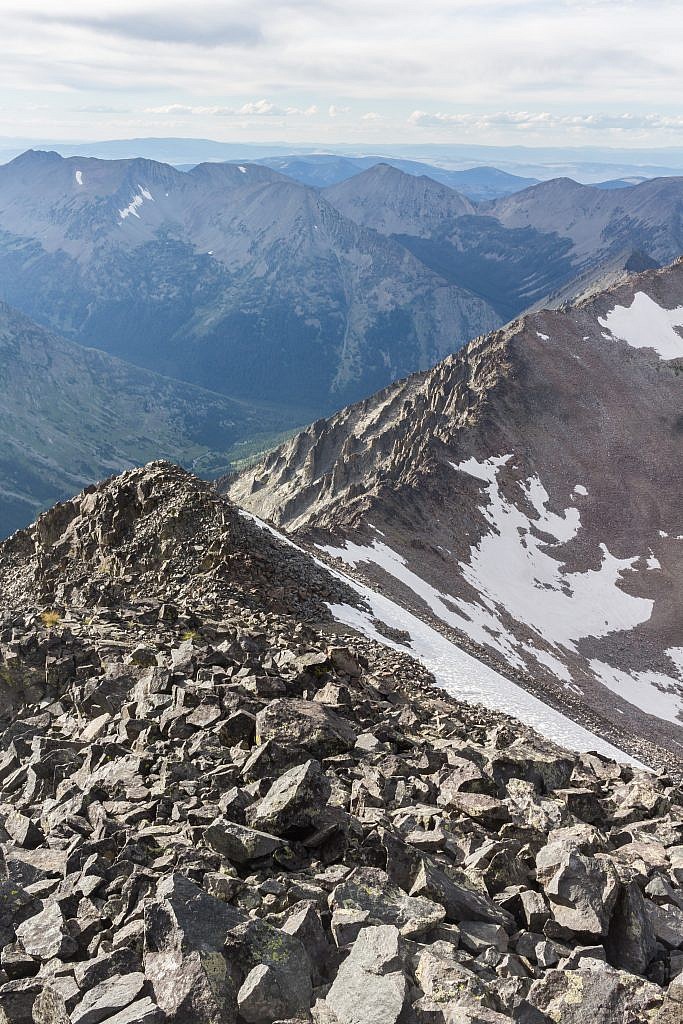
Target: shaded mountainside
{"x":525,"y":495}
{"x":219,"y":806}
{"x":521,"y":250}
{"x":600,"y":222}
{"x":232,"y":277}
{"x":70,"y":415}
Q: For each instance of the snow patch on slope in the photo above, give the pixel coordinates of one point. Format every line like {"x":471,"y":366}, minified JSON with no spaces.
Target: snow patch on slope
{"x":516,"y":567}
{"x":645,"y":324}
{"x":136,"y":202}
{"x":460,"y":674}
{"x":652,"y":692}
{"x":79,"y":177}
{"x":464,"y":677}
{"x":474,"y":620}
{"x":517,"y":570}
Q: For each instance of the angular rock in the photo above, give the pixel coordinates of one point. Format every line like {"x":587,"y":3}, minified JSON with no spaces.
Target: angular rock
{"x":144,"y":1011}
{"x":17,"y":999}
{"x":23,"y":831}
{"x":582,"y":890}
{"x":305,"y":724}
{"x":305,"y":925}
{"x":535,"y":909}
{"x":293,"y":802}
{"x":667,"y":924}
{"x":476,"y":936}
{"x":598,"y":994}
{"x":185,"y":929}
{"x":285,"y":988}
{"x":45,"y":935}
{"x":369,"y":891}
{"x":460,"y":902}
{"x":370,"y":987}
{"x":631,"y":941}
{"x":239,"y":843}
{"x":108,"y":998}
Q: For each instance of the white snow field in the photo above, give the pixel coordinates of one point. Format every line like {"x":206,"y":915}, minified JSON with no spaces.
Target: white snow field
{"x":457,"y":672}
{"x":644,"y":324}
{"x":652,"y":692}
{"x":514,"y":569}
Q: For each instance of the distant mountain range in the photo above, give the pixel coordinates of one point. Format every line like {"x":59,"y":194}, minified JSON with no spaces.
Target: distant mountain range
{"x":321,"y":170}
{"x":295,"y":300}
{"x":523,"y":495}
{"x":71,"y":415}
{"x":231,"y":276}
{"x":591,"y":164}
{"x":519,"y":250}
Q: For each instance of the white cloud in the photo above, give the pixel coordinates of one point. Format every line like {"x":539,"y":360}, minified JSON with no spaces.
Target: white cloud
{"x":449,"y":61}
{"x":254,"y":108}
{"x":544,"y":121}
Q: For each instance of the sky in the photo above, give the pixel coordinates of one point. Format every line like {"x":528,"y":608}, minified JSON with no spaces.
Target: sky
{"x":497,"y":72}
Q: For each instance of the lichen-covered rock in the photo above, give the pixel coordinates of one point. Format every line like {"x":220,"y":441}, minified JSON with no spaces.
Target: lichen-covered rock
{"x":308,"y":725}
{"x":598,"y":994}
{"x":184,"y":934}
{"x":369,"y":890}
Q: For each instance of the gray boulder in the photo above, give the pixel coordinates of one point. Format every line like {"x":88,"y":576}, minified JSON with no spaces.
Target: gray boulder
{"x":307,"y":725}
{"x":631,"y":942}
{"x":271,"y":970}
{"x":240,"y":844}
{"x":293,"y":802}
{"x":461,"y":902}
{"x":370,"y":987}
{"x":108,"y":998}
{"x":582,"y":890}
{"x":369,"y":891}
{"x":185,"y":929}
{"x":45,"y":935}
{"x":598,"y":994}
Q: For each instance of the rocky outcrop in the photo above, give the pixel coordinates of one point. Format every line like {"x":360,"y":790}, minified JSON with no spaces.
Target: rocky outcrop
{"x":519,"y":497}
{"x":223,"y":810}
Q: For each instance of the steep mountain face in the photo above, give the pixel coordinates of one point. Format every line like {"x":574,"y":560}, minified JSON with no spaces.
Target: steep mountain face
{"x":600,"y":222}
{"x":70,"y":415}
{"x":231,"y":277}
{"x":525,"y":249}
{"x":218,"y":806}
{"x":525,"y":495}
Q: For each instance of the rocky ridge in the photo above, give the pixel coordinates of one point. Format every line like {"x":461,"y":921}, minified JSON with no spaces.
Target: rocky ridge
{"x":537,"y":460}
{"x":216,"y":807}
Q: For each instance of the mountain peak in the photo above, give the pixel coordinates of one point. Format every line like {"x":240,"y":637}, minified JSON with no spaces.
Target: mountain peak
{"x":391,"y":201}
